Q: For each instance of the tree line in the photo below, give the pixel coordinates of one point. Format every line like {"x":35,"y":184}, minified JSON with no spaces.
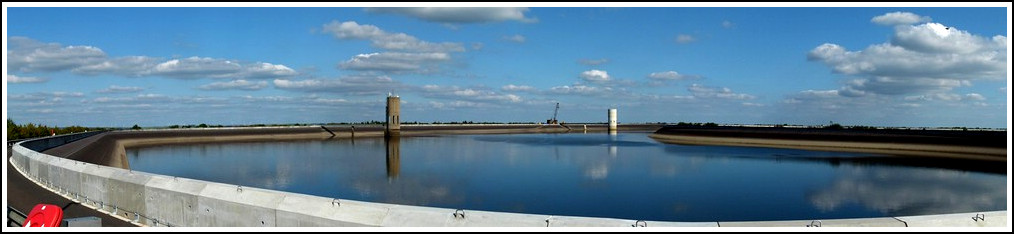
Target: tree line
{"x":30,"y":130}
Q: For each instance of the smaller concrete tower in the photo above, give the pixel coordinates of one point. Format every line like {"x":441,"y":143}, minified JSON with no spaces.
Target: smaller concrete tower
{"x":392,"y":127}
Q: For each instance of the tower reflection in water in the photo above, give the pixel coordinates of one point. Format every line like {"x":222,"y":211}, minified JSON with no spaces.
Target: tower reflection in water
{"x":612,"y":143}
{"x":393,"y":144}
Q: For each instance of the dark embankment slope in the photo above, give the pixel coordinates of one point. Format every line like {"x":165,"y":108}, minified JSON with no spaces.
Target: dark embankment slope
{"x":966,"y":150}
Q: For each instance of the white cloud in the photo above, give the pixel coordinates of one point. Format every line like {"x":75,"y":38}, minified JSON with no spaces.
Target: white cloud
{"x":938,"y":38}
{"x":459,"y":14}
{"x":414,"y":56}
{"x":595,"y":76}
{"x":257,"y":99}
{"x":235,"y":84}
{"x":395,"y":62}
{"x":825,"y":104}
{"x":900,"y":86}
{"x":40,"y":111}
{"x":44,"y":96}
{"x":975,"y":97}
{"x":202,"y":67}
{"x":818,"y":94}
{"x":928,"y":109}
{"x":684,"y":38}
{"x":666,"y":98}
{"x":262,"y":70}
{"x":521,"y":88}
{"x":583,"y":90}
{"x":27,"y":55}
{"x":517,"y":38}
{"x":36,"y":103}
{"x":130,"y":66}
{"x":468,"y":94}
{"x":947,"y":97}
{"x":146,"y":106}
{"x":597,"y":90}
{"x":728,"y":24}
{"x":355,"y":85}
{"x":151,"y":96}
{"x":456,"y":104}
{"x":593,"y":62}
{"x":330,"y":101}
{"x":200,"y":99}
{"x":41,"y":99}
{"x":477,"y":45}
{"x":900,"y":18}
{"x":196,"y":67}
{"x":910,"y":105}
{"x":924,"y":58}
{"x":140,"y":98}
{"x":385,"y":40}
{"x":670,"y":75}
{"x":187,"y":68}
{"x":701,"y":91}
{"x":352,"y":30}
{"x":14,"y":79}
{"x":120,"y":89}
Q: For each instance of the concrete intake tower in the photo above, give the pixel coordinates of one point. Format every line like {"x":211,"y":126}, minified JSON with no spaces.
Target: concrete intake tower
{"x":392,"y":127}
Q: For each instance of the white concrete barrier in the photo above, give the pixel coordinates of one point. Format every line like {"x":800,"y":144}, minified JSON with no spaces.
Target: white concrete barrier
{"x":158,"y":200}
{"x":173,"y":200}
{"x":979,"y":219}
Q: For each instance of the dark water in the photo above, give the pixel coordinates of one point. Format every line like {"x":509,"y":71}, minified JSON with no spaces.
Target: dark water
{"x":626,"y":176}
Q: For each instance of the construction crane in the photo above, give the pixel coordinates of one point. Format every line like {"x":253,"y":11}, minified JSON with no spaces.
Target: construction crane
{"x":553,"y":120}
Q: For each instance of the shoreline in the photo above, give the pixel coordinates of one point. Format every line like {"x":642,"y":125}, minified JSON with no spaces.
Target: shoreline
{"x":110,"y":148}
{"x":986,"y":146}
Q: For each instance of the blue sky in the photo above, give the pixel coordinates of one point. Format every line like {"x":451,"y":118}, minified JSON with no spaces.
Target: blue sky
{"x":941,"y":66}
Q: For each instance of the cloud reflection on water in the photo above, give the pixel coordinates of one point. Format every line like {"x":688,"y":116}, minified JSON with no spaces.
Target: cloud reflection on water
{"x":910,"y":191}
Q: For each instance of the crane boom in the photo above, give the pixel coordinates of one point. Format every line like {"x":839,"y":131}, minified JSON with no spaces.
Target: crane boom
{"x":557,"y":110}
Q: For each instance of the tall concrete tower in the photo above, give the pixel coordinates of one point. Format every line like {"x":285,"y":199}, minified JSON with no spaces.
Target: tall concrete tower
{"x":612,"y":119}
{"x":392,"y":127}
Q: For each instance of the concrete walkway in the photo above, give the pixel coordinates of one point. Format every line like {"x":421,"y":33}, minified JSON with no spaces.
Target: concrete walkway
{"x":23,"y":195}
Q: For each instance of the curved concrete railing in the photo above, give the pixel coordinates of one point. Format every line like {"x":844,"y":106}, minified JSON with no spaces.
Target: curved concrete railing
{"x":158,"y":200}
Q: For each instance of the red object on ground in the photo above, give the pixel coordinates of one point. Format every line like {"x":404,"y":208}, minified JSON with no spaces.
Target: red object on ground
{"x":44,"y":215}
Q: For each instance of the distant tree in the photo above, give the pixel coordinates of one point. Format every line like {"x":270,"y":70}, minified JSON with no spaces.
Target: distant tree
{"x":13,"y":130}
{"x":202,"y":126}
{"x":135,"y":127}
{"x":31,"y":130}
{"x":834,"y":126}
{"x":862,"y":128}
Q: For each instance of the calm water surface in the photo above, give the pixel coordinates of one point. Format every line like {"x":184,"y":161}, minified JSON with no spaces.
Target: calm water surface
{"x":628,"y":176}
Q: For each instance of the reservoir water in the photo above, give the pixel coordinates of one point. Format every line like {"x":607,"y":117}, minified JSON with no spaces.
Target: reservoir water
{"x":627,"y":175}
